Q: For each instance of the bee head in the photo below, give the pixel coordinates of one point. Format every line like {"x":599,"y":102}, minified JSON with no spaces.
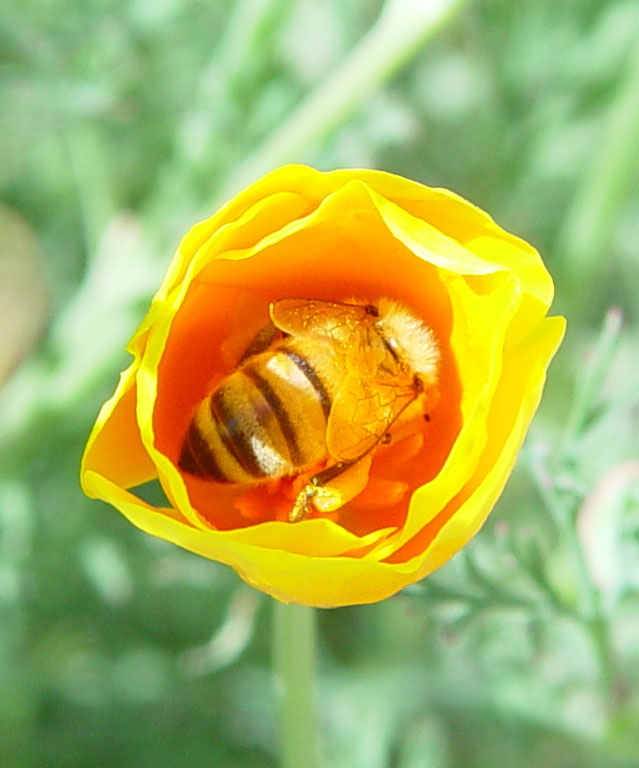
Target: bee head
{"x":410,"y":339}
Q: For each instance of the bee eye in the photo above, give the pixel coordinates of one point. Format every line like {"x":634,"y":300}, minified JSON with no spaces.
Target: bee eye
{"x":371,"y":309}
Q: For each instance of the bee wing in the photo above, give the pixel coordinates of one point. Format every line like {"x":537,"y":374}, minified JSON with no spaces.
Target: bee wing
{"x":349,"y":328}
{"x":362,"y":412}
{"x":342,"y":324}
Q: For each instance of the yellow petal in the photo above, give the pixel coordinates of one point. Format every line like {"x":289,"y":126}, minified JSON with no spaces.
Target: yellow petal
{"x":330,"y":235}
{"x":300,"y":258}
{"x":114,"y":447}
{"x":479,"y":255}
{"x":477,"y":342}
{"x":449,"y":214}
{"x":281,"y":572}
{"x":515,"y":402}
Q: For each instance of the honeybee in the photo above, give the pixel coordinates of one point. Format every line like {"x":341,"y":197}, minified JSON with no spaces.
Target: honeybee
{"x":321,"y":384}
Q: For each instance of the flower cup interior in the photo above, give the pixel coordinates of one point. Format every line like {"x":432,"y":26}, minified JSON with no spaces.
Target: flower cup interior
{"x":352,"y":255}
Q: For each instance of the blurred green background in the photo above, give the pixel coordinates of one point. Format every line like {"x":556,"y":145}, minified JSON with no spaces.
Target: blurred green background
{"x":123,"y":122}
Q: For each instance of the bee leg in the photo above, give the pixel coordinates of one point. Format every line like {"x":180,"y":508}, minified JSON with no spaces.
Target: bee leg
{"x":327,"y":499}
{"x":330,"y":473}
{"x":303,"y":503}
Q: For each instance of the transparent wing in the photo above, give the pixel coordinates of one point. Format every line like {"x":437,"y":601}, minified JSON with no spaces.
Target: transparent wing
{"x":362,"y":412}
{"x":349,"y":328}
{"x":340,"y":323}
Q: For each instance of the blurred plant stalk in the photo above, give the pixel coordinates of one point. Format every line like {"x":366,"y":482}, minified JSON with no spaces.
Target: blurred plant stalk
{"x":402,"y":28}
{"x":294,"y":663}
{"x":565,"y":502}
{"x":592,"y":218}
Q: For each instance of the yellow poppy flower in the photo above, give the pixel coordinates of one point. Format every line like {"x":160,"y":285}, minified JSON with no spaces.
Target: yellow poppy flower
{"x":329,"y":236}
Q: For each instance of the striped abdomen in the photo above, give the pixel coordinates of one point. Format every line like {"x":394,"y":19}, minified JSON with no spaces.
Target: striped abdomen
{"x":265,"y":420}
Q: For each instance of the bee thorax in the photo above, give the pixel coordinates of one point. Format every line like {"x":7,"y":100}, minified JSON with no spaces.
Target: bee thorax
{"x":410,"y":339}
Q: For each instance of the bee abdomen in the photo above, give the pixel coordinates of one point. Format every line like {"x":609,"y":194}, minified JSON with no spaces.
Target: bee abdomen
{"x":197,"y":457}
{"x":279,"y":413}
{"x":232,"y":413}
{"x":315,"y":382}
{"x":266,"y":420}
{"x":232,"y":439}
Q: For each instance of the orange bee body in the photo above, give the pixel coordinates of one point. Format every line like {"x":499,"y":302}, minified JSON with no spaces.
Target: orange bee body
{"x":324,"y":383}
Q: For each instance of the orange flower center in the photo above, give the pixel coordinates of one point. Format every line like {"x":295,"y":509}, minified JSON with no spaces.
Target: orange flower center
{"x":227,"y":303}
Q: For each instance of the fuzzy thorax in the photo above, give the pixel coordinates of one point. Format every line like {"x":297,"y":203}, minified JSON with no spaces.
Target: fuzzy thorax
{"x":410,"y":338}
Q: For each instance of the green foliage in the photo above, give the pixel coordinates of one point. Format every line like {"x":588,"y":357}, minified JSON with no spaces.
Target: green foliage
{"x":123,"y":121}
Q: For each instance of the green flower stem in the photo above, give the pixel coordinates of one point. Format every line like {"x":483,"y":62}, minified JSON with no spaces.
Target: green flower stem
{"x":294,"y":666}
{"x":402,"y":28}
